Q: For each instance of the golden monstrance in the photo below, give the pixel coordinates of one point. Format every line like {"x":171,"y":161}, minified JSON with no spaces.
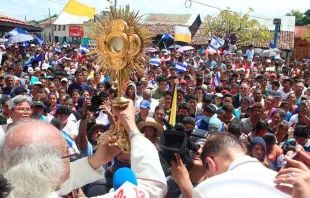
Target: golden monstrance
{"x":119,"y":50}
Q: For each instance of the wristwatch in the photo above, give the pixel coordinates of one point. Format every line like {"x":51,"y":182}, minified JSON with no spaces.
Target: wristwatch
{"x":134,"y":133}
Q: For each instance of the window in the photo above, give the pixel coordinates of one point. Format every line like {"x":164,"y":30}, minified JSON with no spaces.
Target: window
{"x":59,"y":27}
{"x":54,"y":26}
{"x":64,"y":28}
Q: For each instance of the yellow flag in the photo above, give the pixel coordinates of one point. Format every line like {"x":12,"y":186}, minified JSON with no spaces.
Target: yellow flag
{"x":75,"y":13}
{"x":173,"y":110}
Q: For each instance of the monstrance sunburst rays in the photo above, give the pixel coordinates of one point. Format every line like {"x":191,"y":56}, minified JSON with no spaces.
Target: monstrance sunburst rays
{"x":119,"y":50}
{"x":101,"y":28}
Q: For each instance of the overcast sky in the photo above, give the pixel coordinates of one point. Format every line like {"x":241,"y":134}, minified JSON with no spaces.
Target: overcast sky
{"x":38,"y":9}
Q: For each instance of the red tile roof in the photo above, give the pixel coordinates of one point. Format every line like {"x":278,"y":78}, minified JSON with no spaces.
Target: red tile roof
{"x":7,"y":19}
{"x":169,"y":19}
{"x":159,"y":29}
{"x":300,"y":31}
{"x":285,"y":41}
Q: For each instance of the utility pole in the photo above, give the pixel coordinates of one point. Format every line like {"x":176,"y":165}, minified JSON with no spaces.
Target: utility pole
{"x":52,"y":31}
{"x":25,"y":18}
{"x":115,"y":3}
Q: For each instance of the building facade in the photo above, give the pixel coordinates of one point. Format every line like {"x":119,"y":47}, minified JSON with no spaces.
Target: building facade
{"x":302,"y":46}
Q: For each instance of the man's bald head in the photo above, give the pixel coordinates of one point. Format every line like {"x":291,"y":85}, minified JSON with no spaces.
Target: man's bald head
{"x":27,"y":147}
{"x":147,"y":94}
{"x":34,"y":131}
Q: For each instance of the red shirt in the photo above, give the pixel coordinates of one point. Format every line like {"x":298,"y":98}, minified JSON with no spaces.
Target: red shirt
{"x":81,"y":58}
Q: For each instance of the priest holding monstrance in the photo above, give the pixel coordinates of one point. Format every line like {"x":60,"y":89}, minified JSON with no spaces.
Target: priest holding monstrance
{"x":119,"y":49}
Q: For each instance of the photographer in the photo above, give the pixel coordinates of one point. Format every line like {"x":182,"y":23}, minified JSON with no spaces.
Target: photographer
{"x":89,"y":129}
{"x":197,"y":173}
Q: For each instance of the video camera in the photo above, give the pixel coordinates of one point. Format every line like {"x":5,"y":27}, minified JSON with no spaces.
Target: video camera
{"x":177,"y":140}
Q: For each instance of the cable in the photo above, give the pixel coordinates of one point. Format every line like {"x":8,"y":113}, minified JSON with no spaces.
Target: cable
{"x":191,"y":3}
{"x":54,"y":1}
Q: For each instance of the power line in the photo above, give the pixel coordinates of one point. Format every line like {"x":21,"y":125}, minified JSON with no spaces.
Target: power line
{"x":54,"y":1}
{"x":191,"y":3}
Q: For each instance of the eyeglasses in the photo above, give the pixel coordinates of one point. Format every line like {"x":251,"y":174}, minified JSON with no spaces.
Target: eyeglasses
{"x":73,"y":157}
{"x":25,"y":110}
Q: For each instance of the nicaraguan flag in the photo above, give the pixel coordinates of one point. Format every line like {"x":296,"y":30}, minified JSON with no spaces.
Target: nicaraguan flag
{"x":216,"y":43}
{"x":217,"y":79}
{"x":17,"y":31}
{"x":57,"y":49}
{"x":180,"y":67}
{"x":84,"y":48}
{"x":25,"y":44}
{"x":155,"y":61}
{"x":38,"y":39}
{"x":166,"y":36}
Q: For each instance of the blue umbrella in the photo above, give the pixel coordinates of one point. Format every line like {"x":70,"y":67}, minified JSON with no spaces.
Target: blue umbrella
{"x":176,"y":46}
{"x":18,"y":35}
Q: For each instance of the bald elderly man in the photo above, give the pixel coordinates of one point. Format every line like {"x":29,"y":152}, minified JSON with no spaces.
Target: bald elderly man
{"x":35,"y":160}
{"x":147,"y":95}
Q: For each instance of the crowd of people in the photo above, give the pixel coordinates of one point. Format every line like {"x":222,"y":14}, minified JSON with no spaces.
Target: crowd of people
{"x":55,"y":103}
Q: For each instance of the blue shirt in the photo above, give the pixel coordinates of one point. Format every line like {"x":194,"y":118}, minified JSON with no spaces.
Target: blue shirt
{"x":211,"y":64}
{"x":88,"y":151}
{"x":201,"y":123}
{"x":81,"y":87}
{"x":250,"y":54}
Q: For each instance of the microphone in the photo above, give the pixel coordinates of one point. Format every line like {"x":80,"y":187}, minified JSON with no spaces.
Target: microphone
{"x":123,"y":175}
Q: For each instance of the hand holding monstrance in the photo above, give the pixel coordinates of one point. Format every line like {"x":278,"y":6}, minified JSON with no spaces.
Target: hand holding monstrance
{"x":119,"y":50}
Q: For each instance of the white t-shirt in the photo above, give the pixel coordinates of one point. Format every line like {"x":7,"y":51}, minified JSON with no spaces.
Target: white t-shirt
{"x":283,"y":94}
{"x":293,"y":120}
{"x":71,"y":128}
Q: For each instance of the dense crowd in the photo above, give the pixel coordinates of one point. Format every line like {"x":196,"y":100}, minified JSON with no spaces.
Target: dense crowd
{"x":255,"y":110}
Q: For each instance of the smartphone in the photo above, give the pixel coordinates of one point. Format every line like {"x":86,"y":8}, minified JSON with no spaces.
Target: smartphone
{"x":284,"y":162}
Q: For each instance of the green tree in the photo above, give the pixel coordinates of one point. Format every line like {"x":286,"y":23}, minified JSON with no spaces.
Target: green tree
{"x":299,"y":16}
{"x":246,"y":28}
{"x":301,"y":19}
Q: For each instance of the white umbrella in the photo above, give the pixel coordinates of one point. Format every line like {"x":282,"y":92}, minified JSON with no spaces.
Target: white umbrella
{"x":271,"y":52}
{"x":185,"y":48}
{"x":18,"y":35}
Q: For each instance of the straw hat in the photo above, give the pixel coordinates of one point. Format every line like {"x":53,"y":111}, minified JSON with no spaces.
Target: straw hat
{"x":149,"y":121}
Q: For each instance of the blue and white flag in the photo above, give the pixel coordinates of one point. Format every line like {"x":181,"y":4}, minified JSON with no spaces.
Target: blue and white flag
{"x":57,"y":49}
{"x":17,"y":31}
{"x":155,"y":61}
{"x":180,"y":67}
{"x":166,"y":36}
{"x":25,"y":44}
{"x":216,"y":43}
{"x":38,"y":39}
{"x":217,"y":79}
{"x":84,"y":48}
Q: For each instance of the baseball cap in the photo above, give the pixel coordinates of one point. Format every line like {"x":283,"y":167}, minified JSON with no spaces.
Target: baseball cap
{"x":38,"y":83}
{"x":273,"y":75}
{"x":145,"y":104}
{"x":30,"y":69}
{"x":268,"y":61}
{"x":37,"y":103}
{"x":37,"y":69}
{"x":224,"y":92}
{"x":218,"y":95}
{"x":183,"y":82}
{"x":64,"y":80}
